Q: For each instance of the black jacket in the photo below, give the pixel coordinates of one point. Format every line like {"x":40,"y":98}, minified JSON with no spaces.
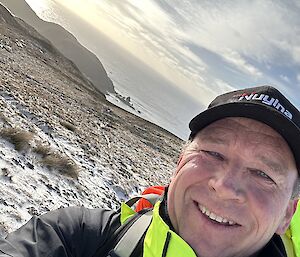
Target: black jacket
{"x":79,"y":232}
{"x":67,"y":232}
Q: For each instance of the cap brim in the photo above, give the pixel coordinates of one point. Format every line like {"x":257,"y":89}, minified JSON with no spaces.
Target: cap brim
{"x":260,"y":112}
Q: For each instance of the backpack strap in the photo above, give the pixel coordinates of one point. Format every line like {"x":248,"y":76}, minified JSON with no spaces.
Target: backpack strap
{"x":131,"y":238}
{"x":115,"y":236}
{"x":129,"y":241}
{"x":137,"y":224}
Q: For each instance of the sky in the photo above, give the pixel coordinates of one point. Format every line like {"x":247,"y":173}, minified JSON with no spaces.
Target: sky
{"x":205,"y":47}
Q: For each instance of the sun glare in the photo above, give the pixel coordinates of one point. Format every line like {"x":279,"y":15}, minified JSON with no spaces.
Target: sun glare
{"x":39,"y":5}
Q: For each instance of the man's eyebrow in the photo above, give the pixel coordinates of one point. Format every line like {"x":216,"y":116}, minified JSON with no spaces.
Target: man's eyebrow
{"x":214,"y":140}
{"x":277,"y":167}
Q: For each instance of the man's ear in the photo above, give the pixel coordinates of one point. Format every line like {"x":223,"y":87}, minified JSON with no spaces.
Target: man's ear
{"x":283,"y":226}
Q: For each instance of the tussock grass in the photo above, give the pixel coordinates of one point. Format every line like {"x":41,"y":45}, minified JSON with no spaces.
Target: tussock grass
{"x":63,"y":164}
{"x":57,"y":161}
{"x":42,"y":150}
{"x":19,"y":138}
{"x":53,"y":160}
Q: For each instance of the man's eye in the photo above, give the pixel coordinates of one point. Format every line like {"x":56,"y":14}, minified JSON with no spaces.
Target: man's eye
{"x":262,"y":174}
{"x":216,"y":155}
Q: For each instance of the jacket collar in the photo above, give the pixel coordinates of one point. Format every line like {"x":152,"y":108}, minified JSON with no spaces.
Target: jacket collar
{"x":161,"y":241}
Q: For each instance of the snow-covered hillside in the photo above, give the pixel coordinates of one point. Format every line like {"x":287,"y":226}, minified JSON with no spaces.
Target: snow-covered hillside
{"x":61,"y":142}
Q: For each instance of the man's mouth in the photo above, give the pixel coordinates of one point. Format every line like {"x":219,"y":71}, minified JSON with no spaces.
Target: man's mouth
{"x":215,"y":217}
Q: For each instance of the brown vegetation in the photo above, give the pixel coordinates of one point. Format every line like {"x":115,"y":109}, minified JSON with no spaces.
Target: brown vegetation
{"x":42,"y":150}
{"x":54,"y":160}
{"x":19,"y":138}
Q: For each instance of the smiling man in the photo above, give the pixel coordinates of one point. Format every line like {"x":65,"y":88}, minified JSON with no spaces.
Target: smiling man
{"x":236,"y":183}
{"x":234,"y":194}
{"x":233,"y":188}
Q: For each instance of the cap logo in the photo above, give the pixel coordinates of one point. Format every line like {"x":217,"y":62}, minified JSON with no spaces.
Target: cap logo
{"x":267,"y":100}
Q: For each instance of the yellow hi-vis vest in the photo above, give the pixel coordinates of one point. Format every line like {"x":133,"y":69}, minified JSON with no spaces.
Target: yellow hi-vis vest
{"x":159,"y":231}
{"x":291,"y":238}
{"x":158,"y":235}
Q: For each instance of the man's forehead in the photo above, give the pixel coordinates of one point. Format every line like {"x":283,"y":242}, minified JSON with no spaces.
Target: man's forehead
{"x":241,"y":122}
{"x":253,"y":135}
{"x":225,"y":130}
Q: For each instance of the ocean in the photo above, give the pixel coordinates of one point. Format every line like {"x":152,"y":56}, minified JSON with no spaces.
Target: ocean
{"x":154,"y":98}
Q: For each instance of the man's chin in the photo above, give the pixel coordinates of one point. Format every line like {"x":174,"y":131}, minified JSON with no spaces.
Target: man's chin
{"x":210,"y":238}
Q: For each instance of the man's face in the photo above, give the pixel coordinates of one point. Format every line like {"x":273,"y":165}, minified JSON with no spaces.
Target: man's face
{"x":232,"y":188}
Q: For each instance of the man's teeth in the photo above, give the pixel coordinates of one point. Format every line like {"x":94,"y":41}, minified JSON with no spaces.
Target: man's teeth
{"x":215,"y":217}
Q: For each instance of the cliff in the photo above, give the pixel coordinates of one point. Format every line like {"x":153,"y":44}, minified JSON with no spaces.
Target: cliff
{"x":66,"y":43}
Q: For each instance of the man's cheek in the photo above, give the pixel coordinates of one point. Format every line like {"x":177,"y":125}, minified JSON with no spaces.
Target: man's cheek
{"x":263,"y":202}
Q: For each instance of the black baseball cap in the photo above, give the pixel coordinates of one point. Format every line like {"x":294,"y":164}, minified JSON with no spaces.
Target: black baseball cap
{"x":265,"y":104}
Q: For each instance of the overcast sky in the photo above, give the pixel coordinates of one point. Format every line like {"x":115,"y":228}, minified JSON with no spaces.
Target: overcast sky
{"x":205,"y":47}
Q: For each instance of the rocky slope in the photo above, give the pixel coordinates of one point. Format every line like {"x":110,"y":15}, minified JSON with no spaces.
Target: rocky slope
{"x":61,"y":142}
{"x":66,"y":43}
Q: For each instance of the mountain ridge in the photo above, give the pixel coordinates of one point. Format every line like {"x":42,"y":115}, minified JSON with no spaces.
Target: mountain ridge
{"x":66,"y":43}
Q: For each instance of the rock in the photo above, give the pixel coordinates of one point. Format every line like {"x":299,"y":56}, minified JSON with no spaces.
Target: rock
{"x":30,"y":166}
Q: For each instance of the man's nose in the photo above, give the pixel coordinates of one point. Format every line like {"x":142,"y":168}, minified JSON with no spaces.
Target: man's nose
{"x":227,"y":185}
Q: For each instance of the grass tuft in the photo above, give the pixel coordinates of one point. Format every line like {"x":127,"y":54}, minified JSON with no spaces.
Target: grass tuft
{"x":42,"y":150}
{"x":57,"y":161}
{"x":63,"y":164}
{"x":19,"y":138}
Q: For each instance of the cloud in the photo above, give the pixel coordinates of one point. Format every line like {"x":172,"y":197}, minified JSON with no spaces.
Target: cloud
{"x":239,"y":33}
{"x":285,"y":78}
{"x":240,"y":63}
{"x":208,"y":46}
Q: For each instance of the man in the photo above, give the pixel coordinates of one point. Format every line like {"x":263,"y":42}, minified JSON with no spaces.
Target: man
{"x":233,"y":193}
